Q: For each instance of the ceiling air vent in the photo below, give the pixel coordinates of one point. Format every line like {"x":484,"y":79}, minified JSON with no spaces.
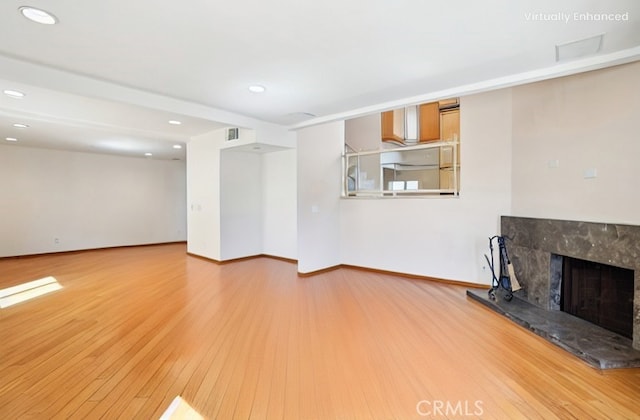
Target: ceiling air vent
{"x":232,"y":134}
{"x":581,"y":48}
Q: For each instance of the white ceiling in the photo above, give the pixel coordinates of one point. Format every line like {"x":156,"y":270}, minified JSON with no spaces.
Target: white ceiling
{"x":110,"y":74}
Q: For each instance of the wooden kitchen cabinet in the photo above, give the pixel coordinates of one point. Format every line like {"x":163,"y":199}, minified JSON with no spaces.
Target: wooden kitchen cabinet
{"x":429,"y":122}
{"x":434,"y":126}
{"x":448,"y":180}
{"x":392,"y":125}
{"x":450,"y":124}
{"x":450,"y":131}
{"x":426,"y":125}
{"x":446,"y":156}
{"x":449,"y":103}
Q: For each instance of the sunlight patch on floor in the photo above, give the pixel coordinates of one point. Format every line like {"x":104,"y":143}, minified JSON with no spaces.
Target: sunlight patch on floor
{"x":26,"y":291}
{"x":179,"y":409}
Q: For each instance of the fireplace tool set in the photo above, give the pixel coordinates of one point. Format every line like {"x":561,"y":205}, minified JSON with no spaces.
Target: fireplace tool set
{"x":503,"y":276}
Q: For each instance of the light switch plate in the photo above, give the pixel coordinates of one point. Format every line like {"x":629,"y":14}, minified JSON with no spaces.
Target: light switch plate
{"x":590,"y":173}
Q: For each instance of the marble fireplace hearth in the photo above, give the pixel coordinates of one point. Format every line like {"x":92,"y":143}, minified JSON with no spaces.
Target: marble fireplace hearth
{"x":536,"y":248}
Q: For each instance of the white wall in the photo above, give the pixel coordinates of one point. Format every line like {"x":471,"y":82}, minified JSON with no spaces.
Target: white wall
{"x":585,"y":121}
{"x":87,"y":201}
{"x":240,"y":204}
{"x":508,"y":139}
{"x":203,"y":194}
{"x":441,"y":237}
{"x":280,"y":213}
{"x":364,"y":133}
{"x":319,"y":186}
{"x":265,"y":134}
{"x":245,"y":136}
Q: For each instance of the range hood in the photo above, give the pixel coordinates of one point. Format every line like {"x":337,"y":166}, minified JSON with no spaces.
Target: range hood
{"x":411,"y":125}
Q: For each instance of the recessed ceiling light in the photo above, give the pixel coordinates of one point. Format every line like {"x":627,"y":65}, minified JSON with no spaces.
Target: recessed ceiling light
{"x":13,"y":93}
{"x":38,"y":15}
{"x":18,"y":125}
{"x":175,"y":122}
{"x":11,"y":139}
{"x":257,"y":88}
{"x":177,"y":146}
{"x":148,"y":154}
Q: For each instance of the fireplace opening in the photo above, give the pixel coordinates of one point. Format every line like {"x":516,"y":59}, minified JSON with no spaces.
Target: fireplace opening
{"x":598,"y":293}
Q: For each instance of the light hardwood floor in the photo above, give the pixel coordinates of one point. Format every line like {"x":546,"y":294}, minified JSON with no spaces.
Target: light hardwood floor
{"x":134,"y":327}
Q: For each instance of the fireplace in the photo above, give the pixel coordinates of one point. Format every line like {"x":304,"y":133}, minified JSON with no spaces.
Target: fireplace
{"x":598,"y":293}
{"x":550,"y":257}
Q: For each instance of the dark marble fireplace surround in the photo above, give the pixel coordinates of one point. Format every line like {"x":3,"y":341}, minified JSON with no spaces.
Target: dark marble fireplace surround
{"x":535,"y":244}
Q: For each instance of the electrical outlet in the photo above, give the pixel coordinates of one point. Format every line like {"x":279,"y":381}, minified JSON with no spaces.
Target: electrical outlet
{"x":56,"y":240}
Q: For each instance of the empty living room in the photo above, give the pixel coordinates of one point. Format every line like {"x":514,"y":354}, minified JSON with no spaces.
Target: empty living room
{"x":341,"y":210}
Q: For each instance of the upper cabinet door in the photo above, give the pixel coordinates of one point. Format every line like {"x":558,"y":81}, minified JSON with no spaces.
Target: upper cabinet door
{"x":392,"y":125}
{"x":422,"y":123}
{"x":429,"y":122}
{"x":450,"y":121}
